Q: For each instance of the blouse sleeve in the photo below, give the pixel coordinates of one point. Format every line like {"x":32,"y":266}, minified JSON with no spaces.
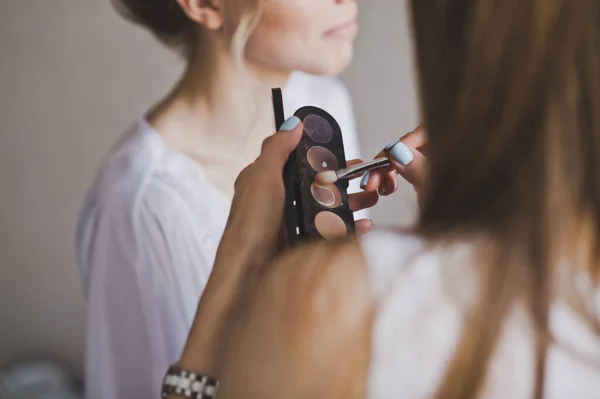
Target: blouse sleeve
{"x":150,"y":274}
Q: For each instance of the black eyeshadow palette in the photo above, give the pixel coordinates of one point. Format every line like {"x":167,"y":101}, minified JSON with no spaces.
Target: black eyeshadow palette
{"x":314,"y":211}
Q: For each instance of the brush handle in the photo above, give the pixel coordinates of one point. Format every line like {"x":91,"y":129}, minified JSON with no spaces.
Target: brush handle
{"x":357,"y":170}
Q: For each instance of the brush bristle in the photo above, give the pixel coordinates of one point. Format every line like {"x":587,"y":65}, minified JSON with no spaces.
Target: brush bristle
{"x":326,"y":177}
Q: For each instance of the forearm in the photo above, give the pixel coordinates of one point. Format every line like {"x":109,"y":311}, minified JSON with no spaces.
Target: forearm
{"x":233,"y":263}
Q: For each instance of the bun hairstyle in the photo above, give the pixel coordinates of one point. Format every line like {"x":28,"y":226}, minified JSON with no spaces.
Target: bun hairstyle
{"x":164,"y":18}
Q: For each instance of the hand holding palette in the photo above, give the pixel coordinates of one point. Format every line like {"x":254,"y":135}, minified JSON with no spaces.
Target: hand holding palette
{"x":314,"y":211}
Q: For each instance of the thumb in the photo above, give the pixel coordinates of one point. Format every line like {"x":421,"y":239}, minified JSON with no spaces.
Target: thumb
{"x":277,"y":148}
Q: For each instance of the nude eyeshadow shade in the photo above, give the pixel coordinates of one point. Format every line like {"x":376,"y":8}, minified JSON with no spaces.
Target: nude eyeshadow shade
{"x":330,"y":225}
{"x":321,"y":159}
{"x":329,"y":196}
{"x":318,"y":129}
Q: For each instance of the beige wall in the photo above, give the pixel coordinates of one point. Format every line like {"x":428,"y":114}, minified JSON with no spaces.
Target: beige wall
{"x":72,"y":76}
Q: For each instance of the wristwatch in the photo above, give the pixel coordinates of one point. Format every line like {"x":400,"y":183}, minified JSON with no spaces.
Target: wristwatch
{"x":187,"y":384}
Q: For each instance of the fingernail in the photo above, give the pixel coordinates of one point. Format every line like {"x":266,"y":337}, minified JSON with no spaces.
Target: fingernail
{"x":382,"y":190}
{"x":402,"y":154}
{"x":390,"y":145}
{"x":290,"y":124}
{"x":365,"y":180}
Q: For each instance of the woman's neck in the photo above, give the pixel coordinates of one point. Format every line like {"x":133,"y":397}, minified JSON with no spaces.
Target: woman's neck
{"x":218,"y":114}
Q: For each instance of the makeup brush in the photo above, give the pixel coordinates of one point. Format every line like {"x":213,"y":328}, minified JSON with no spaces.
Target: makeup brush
{"x":332,"y":176}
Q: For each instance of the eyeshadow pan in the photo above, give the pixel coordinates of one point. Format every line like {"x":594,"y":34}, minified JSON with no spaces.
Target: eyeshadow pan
{"x":329,"y":196}
{"x":314,"y":211}
{"x":321,"y":159}
{"x":318,"y":129}
{"x":330,"y":225}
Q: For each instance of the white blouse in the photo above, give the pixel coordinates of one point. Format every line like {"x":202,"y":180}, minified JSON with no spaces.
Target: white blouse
{"x":421,"y":297}
{"x":146,"y":242}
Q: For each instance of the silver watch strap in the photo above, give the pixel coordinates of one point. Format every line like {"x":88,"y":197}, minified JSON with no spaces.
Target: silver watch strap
{"x":188,"y":384}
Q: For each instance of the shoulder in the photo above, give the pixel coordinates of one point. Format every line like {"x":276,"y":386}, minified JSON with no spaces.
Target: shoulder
{"x":322,"y":275}
{"x":144,"y":187}
{"x":344,"y":275}
{"x":309,"y":307}
{"x":339,"y":285}
{"x":140,"y":172}
{"x":321,"y":288}
{"x":325,"y":311}
{"x":316,"y":305}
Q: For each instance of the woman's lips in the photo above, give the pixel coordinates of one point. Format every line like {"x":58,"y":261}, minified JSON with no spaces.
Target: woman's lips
{"x":349,"y":30}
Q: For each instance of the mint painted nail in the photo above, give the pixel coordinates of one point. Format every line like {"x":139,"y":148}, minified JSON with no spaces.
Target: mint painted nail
{"x":290,"y":124}
{"x":390,"y":145}
{"x":365,"y":180}
{"x":402,"y":154}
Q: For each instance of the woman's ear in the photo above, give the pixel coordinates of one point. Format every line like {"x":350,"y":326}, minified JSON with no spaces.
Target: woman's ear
{"x":205,"y":12}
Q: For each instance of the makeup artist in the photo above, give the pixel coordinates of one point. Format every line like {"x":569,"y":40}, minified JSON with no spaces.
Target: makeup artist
{"x":494,"y":294}
{"x":151,"y":223}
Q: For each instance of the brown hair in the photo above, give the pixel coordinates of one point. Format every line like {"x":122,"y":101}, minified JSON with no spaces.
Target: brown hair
{"x":510,"y":98}
{"x":170,"y":24}
{"x":164,"y":18}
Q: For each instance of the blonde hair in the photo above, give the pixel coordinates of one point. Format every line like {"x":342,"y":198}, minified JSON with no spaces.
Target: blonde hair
{"x":246,"y":25}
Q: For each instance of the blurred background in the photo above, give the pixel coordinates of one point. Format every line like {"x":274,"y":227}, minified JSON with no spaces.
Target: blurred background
{"x":73,"y":75}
